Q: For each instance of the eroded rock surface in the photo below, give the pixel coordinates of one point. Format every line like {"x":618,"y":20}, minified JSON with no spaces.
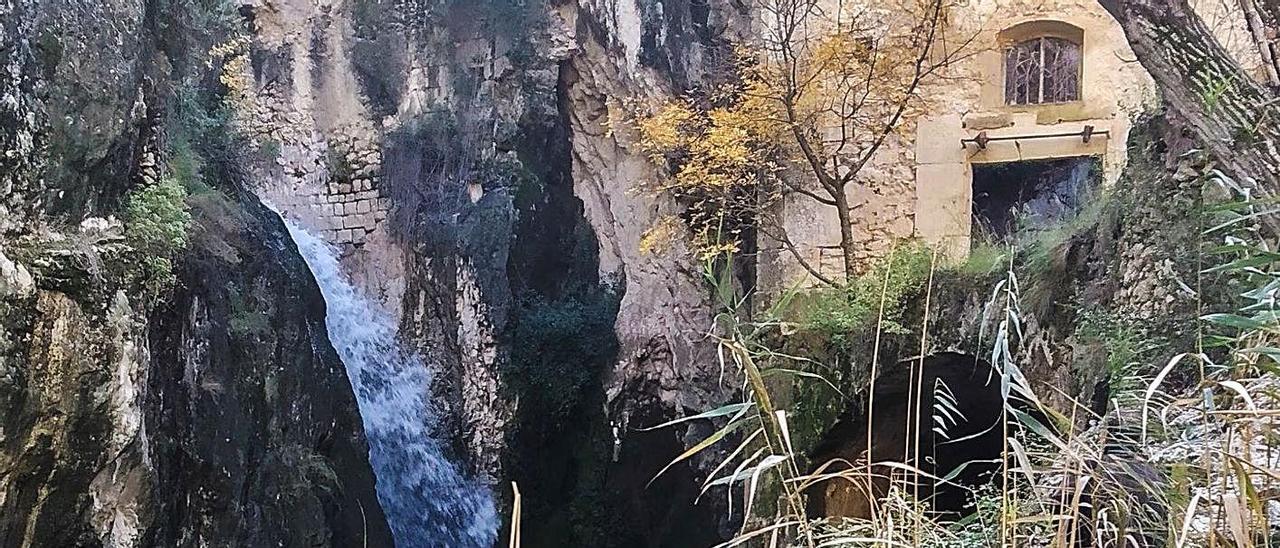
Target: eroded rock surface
{"x":207,"y":409}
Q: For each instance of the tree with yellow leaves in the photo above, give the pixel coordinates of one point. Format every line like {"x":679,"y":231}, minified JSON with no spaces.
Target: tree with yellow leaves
{"x":807,"y":111}
{"x":722,"y":168}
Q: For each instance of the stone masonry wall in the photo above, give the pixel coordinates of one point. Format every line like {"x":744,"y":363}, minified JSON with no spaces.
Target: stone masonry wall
{"x":318,"y":141}
{"x":341,"y":199}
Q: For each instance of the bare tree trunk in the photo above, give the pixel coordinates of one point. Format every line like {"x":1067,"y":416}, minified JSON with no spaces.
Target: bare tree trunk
{"x":1269,"y":30}
{"x":846,"y":234}
{"x":1236,"y":118}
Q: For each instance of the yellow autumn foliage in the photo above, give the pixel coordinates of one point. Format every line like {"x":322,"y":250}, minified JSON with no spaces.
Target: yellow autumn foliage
{"x":236,"y":73}
{"x":816,"y":106}
{"x":659,"y":237}
{"x":719,"y":167}
{"x":667,"y":130}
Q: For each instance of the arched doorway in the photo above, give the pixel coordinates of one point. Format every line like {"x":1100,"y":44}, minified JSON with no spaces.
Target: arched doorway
{"x":959,"y":432}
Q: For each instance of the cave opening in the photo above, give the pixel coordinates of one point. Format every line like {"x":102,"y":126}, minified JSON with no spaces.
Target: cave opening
{"x":1012,"y":196}
{"x":959,"y":426}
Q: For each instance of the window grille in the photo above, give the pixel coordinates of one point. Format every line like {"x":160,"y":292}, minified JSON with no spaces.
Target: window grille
{"x":1042,"y":70}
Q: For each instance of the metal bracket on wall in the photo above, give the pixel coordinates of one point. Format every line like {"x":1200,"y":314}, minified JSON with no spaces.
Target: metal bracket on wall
{"x":982,"y":138}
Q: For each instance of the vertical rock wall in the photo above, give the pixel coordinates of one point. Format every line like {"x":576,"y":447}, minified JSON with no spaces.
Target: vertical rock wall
{"x":255,"y":432}
{"x":134,"y":412}
{"x":72,"y":471}
{"x":20,"y":117}
{"x":473,"y":160}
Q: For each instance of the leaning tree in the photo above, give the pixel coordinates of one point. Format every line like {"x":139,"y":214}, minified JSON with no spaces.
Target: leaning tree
{"x":1236,"y":117}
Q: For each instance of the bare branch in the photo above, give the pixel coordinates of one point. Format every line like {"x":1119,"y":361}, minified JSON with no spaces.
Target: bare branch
{"x":782,"y":238}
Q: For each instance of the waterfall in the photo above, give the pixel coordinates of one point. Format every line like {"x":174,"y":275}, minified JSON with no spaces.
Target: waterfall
{"x":427,"y":501}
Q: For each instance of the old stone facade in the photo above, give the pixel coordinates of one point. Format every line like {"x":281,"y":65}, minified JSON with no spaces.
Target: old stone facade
{"x":921,"y":183}
{"x":1112,"y":92}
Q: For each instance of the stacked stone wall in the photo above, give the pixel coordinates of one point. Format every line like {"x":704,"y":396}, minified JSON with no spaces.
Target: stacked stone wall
{"x":337,"y":192}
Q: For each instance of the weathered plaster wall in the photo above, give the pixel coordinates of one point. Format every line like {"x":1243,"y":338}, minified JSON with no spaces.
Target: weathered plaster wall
{"x":1114,"y":91}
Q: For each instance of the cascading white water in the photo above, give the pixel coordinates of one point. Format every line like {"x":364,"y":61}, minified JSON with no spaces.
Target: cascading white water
{"x":427,"y":501}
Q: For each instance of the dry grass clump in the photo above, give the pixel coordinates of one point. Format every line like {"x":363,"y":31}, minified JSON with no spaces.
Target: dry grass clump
{"x":1188,"y":463}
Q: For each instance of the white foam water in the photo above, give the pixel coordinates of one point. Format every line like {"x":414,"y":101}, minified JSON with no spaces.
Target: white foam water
{"x":427,"y":500}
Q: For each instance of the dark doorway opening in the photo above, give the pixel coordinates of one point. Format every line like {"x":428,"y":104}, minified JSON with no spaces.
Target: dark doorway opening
{"x":967,"y":437}
{"x":1010,"y":197}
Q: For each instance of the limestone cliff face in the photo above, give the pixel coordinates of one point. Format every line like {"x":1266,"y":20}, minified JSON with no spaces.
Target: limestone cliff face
{"x":473,"y":161}
{"x":210,"y":421}
{"x":255,"y":434}
{"x":72,"y":459}
{"x":21,"y":116}
{"x":206,"y":410}
{"x":626,"y":53}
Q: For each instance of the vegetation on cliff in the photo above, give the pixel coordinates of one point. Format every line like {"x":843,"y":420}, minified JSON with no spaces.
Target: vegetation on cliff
{"x":156,"y":219}
{"x":1131,"y":343}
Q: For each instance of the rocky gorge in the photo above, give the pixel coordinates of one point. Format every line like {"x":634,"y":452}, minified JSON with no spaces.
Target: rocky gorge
{"x":183,"y":390}
{"x":340,"y":272}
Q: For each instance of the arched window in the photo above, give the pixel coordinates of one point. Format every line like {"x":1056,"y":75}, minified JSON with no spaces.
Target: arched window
{"x":1044,"y":69}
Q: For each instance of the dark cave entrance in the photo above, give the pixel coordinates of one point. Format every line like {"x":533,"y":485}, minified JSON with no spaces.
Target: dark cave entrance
{"x":967,"y":437}
{"x":1008,"y":197}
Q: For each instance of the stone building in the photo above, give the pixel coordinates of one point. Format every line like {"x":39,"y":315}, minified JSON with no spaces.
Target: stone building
{"x":1033,"y":118}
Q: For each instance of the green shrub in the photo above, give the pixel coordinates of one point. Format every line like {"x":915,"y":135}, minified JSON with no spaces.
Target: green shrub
{"x":837,"y":313}
{"x":184,"y":163}
{"x":984,"y":258}
{"x":558,"y":349}
{"x":156,"y":223}
{"x":197,"y":118}
{"x":1128,"y":347}
{"x":158,"y":273}
{"x":157,"y":218}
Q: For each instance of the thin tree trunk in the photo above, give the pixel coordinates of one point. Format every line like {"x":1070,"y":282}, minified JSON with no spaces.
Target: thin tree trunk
{"x":1235,"y":117}
{"x":846,"y":234}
